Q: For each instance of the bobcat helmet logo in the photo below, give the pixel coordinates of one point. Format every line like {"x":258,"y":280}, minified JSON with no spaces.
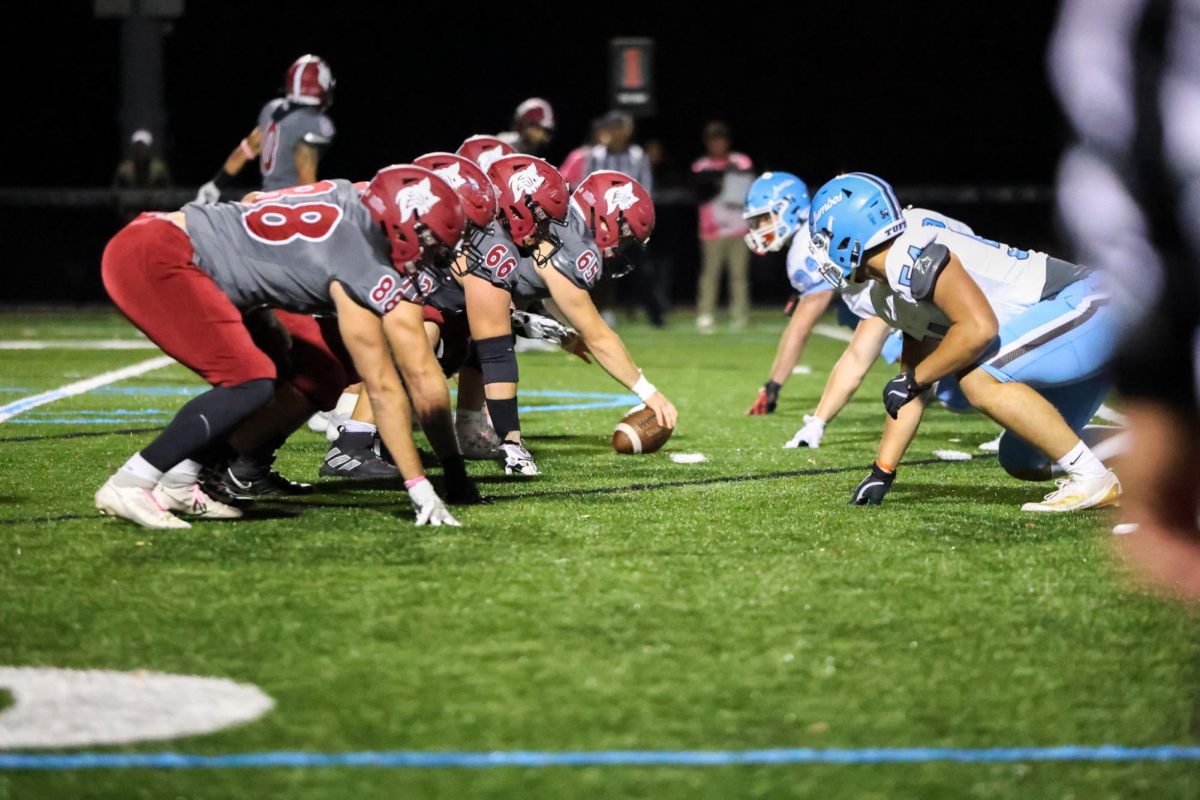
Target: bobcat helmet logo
{"x":489,"y":157}
{"x":450,"y":175}
{"x":525,"y":182}
{"x":416,"y":199}
{"x":620,"y":198}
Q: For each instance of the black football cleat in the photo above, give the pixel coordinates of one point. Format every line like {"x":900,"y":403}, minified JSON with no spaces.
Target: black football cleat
{"x":353,"y":456}
{"x":242,"y":488}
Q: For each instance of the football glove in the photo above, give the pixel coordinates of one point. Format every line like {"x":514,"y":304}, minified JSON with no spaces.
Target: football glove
{"x":536,"y":326}
{"x":808,"y":436}
{"x":460,"y":488}
{"x":873,"y":487}
{"x":767,"y":401}
{"x":209,"y":194}
{"x":429,"y":508}
{"x":900,"y":390}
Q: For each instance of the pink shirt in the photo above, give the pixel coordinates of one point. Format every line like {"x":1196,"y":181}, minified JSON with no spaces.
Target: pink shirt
{"x":721,"y":217}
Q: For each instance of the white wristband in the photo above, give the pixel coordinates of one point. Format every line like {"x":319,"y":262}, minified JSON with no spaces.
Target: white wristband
{"x":643,"y":388}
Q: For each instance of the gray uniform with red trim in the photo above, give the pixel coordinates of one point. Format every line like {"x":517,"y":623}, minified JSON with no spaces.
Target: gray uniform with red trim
{"x":578,"y":259}
{"x":283,"y":126}
{"x":285,"y":250}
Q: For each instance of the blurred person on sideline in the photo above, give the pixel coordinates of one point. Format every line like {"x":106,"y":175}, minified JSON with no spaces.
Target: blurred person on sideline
{"x":1126,"y":74}
{"x":722,"y":177}
{"x":616,"y":151}
{"x":142,"y":168}
{"x":573,"y":165}
{"x":533,"y":127}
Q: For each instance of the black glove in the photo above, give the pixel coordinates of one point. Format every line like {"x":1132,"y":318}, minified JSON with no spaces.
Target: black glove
{"x":460,"y":489}
{"x":900,"y":390}
{"x":873,"y":487}
{"x":767,"y":400}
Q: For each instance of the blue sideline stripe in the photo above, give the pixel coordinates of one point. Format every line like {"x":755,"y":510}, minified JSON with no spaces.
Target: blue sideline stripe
{"x":525,"y":758}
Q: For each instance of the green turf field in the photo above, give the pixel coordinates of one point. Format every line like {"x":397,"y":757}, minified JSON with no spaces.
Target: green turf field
{"x":615,"y":603}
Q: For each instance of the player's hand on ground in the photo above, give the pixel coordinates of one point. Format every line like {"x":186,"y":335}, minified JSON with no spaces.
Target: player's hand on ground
{"x":808,"y":436}
{"x":460,"y":487}
{"x":539,"y":326}
{"x":208,"y":194}
{"x":873,"y":487}
{"x":429,"y":508}
{"x":767,"y":400}
{"x":899,"y":391}
{"x":575,"y":345}
{"x":664,"y":412}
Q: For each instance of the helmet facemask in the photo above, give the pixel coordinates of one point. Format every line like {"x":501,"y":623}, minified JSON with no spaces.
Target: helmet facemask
{"x":469,"y":248}
{"x":772,"y":236}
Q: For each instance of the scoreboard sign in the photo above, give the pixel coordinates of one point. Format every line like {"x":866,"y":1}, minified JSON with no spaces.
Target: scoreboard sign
{"x":631,"y":75}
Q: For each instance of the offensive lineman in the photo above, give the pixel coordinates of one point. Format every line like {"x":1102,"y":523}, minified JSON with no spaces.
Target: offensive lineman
{"x":185,"y":279}
{"x":552,"y":245}
{"x":1028,"y":335}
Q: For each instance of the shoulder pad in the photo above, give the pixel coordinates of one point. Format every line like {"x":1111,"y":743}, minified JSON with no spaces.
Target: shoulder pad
{"x":926,"y":267}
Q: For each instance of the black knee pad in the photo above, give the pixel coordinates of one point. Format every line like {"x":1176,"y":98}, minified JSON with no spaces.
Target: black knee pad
{"x":497,"y":359}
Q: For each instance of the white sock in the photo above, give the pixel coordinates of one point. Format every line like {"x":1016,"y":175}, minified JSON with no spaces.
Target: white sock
{"x":137,"y":472}
{"x":182,"y":475}
{"x":1081,"y":462}
{"x":354,"y":426}
{"x":345,"y":404}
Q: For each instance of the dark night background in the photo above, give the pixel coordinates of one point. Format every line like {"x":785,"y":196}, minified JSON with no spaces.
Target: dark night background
{"x":920,"y":93}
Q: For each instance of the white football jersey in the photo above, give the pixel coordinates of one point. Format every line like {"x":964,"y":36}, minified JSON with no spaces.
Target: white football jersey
{"x":1012,"y":280}
{"x":805,"y":276}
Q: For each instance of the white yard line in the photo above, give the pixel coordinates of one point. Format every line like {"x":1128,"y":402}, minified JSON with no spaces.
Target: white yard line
{"x":77,"y":344}
{"x":834,"y":332}
{"x":10,"y":410}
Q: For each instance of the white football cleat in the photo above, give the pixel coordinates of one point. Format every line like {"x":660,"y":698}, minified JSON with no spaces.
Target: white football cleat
{"x":193,"y":501}
{"x":136,"y":505}
{"x":1076,"y":495}
{"x":477,"y":439}
{"x":517,"y":460}
{"x":992,"y":446}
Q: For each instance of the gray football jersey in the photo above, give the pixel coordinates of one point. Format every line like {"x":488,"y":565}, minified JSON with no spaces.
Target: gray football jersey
{"x":284,"y":125}
{"x":286,"y":248}
{"x":578,"y":259}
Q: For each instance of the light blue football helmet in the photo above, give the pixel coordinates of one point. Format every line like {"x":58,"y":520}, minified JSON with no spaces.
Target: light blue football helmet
{"x":783,"y":198}
{"x":850,"y":215}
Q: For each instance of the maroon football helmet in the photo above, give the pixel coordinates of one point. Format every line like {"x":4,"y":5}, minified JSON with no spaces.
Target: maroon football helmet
{"x":421,"y":215}
{"x":309,"y":82}
{"x":477,"y":194}
{"x":619,"y":213}
{"x":531,"y":195}
{"x":484,"y":150}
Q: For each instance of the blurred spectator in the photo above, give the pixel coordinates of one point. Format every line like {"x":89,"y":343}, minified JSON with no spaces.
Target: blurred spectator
{"x":533,"y":127}
{"x":616,"y":151}
{"x":142,"y":168}
{"x":572,"y":168}
{"x":722,"y":178}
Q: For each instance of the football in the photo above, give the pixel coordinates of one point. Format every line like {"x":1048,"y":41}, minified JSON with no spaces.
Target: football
{"x":639,"y":432}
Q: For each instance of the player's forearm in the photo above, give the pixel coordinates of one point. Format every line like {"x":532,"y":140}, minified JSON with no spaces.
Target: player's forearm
{"x":392,"y":417}
{"x":612,"y":356}
{"x":431,"y":401}
{"x":844,"y":380}
{"x":898,"y":433}
{"x":795,"y":336}
{"x":964,"y":344}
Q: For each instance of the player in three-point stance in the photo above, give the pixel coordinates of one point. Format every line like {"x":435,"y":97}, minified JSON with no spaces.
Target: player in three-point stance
{"x":776,"y":210}
{"x":1028,"y":335}
{"x":185,"y":279}
{"x":551,"y":244}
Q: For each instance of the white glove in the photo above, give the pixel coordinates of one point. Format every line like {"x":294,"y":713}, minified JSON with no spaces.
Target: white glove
{"x":209,"y":194}
{"x":808,"y":436}
{"x":537,"y":326}
{"x":429,"y":507}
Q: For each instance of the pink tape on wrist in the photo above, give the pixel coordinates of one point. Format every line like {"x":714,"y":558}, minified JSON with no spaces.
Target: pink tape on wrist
{"x":413,"y":482}
{"x":247,"y":149}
